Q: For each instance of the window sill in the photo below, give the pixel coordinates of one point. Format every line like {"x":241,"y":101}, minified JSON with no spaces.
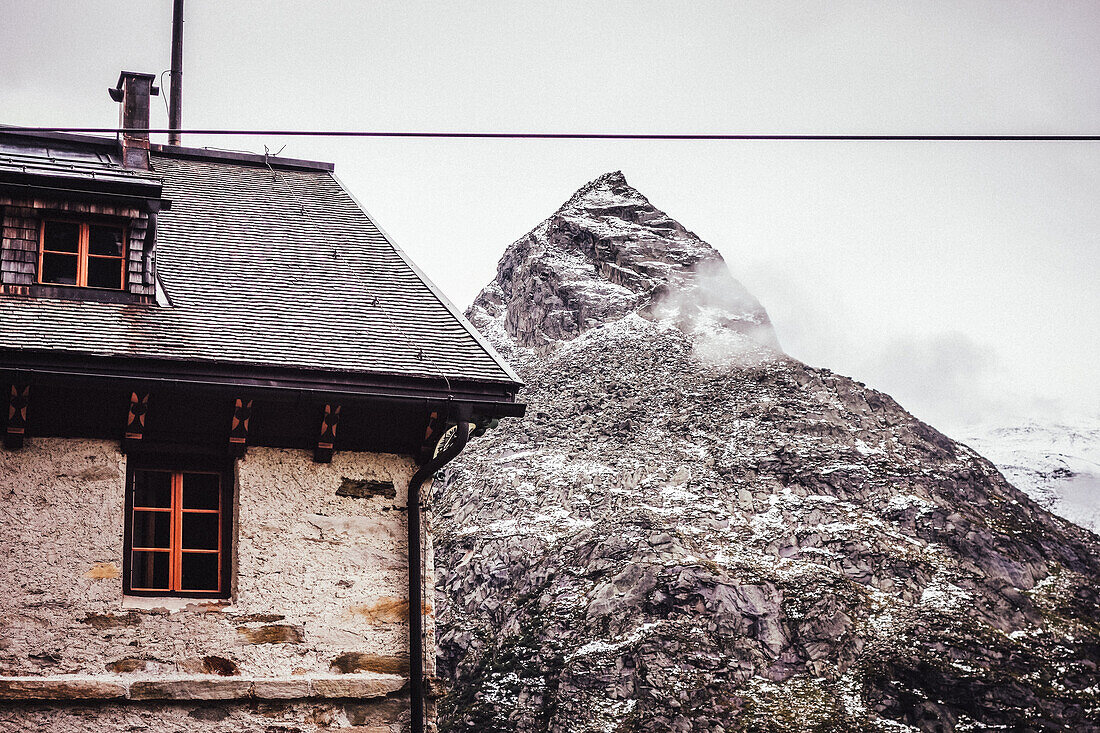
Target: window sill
{"x":200,"y":687}
{"x":175,"y":604}
{"x":68,"y":292}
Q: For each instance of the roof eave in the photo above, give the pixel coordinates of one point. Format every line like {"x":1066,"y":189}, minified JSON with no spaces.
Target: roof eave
{"x":489,"y":398}
{"x":147,"y":190}
{"x":97,"y":141}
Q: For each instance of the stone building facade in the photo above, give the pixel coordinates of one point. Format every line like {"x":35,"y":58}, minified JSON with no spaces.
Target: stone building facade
{"x":205,"y":521}
{"x":318,"y":614}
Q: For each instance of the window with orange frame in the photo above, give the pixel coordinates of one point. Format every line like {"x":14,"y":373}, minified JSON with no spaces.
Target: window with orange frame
{"x":82,"y":253}
{"x":178,"y":523}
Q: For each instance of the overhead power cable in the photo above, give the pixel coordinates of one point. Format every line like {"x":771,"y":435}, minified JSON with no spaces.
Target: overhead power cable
{"x":561,"y":135}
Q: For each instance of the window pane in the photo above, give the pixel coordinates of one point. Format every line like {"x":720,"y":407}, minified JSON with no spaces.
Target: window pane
{"x":58,"y":269}
{"x":149,"y":570}
{"x":200,"y":571}
{"x":153,"y":488}
{"x":61,"y":236}
{"x":200,"y":531}
{"x":200,"y":491}
{"x":105,"y":241}
{"x":153,"y":529}
{"x":104,"y":272}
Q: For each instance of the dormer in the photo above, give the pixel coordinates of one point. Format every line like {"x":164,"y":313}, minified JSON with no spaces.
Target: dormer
{"x":79,"y":212}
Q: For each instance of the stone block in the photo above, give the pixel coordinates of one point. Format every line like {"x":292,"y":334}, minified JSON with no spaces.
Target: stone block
{"x":357,"y":686}
{"x":352,"y":662}
{"x":387,"y":610}
{"x":367,"y":489}
{"x":23,"y":688}
{"x":273,"y":634}
{"x":220,"y":666}
{"x":257,"y":618}
{"x":191,"y":689}
{"x":103,"y":571}
{"x":111,"y":620}
{"x":281,"y":689}
{"x":127,"y":665}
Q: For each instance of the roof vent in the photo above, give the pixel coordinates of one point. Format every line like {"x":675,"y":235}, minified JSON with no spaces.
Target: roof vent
{"x":133,"y":92}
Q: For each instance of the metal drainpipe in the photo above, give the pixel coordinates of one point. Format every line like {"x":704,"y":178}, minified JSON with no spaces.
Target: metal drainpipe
{"x":416,"y":598}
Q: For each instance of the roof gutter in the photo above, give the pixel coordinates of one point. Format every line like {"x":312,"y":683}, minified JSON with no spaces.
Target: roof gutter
{"x":152,"y":201}
{"x":487,"y":399}
{"x":416,"y":574}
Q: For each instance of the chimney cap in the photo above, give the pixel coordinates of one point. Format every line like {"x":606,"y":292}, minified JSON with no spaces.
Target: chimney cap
{"x":116,"y":92}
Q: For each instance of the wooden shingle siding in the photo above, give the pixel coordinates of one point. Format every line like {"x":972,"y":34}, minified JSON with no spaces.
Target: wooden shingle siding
{"x":137,"y":282}
{"x":19,"y":247}
{"x":22,"y":219}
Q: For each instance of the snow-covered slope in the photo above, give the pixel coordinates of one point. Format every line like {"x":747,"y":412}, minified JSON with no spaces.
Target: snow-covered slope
{"x":691,"y":531}
{"x":1056,"y":464}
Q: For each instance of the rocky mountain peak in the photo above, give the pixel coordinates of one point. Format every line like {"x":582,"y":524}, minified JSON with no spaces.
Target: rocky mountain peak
{"x":669,"y":543}
{"x":609,"y":190}
{"x":608,"y":253}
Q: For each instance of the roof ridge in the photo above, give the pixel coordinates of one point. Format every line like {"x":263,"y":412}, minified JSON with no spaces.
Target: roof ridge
{"x":240,"y":157}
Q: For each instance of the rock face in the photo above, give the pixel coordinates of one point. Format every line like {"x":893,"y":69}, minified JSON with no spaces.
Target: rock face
{"x":603,"y":255}
{"x":692,"y":531}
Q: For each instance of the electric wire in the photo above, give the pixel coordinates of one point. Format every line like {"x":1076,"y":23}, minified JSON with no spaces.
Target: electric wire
{"x":167,"y":111}
{"x":562,"y":135}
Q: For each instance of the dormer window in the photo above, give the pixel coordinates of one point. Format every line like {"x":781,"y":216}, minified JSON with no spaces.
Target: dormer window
{"x":81,"y":253}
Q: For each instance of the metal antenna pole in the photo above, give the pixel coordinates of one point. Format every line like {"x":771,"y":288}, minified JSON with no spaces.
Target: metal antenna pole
{"x":175,"y":100}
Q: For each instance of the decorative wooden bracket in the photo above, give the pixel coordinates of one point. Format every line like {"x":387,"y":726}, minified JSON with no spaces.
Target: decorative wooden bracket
{"x":431,"y":436}
{"x":135,"y":419}
{"x":323,"y":452}
{"x":238,"y":429}
{"x":18,"y":401}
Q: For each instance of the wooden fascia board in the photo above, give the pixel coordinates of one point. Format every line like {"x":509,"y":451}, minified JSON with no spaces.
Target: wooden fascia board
{"x":488,"y":399}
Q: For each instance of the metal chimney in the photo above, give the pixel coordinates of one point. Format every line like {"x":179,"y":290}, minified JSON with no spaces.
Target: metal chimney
{"x":133,"y":93}
{"x":175,"y":91}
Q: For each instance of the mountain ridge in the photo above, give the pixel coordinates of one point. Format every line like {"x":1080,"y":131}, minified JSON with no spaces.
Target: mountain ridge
{"x":692,"y":531}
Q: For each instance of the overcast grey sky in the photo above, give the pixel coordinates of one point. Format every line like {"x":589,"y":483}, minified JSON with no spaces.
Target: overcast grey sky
{"x":959,"y":277}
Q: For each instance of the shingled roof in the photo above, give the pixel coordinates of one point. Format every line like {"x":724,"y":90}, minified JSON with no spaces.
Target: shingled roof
{"x":272,"y":266}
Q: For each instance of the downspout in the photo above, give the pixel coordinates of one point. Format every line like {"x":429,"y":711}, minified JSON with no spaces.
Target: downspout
{"x":416,"y":596}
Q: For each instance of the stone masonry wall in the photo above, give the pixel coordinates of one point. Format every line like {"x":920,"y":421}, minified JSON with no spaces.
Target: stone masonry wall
{"x":316,"y":633}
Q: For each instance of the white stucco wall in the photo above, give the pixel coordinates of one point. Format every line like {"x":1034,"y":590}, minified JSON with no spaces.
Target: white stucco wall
{"x":319,"y":578}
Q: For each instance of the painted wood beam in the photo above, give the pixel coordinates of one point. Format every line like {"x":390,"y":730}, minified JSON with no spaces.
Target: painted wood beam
{"x":329,"y":421}
{"x":18,"y":403}
{"x":238,"y":427}
{"x":135,"y":420}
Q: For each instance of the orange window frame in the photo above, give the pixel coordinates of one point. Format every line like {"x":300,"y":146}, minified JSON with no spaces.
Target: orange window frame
{"x":82,"y":254}
{"x":175,"y":548}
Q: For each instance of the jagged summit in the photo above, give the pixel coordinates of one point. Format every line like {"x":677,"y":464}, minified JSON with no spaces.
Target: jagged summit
{"x":609,"y":186}
{"x":608,"y":253}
